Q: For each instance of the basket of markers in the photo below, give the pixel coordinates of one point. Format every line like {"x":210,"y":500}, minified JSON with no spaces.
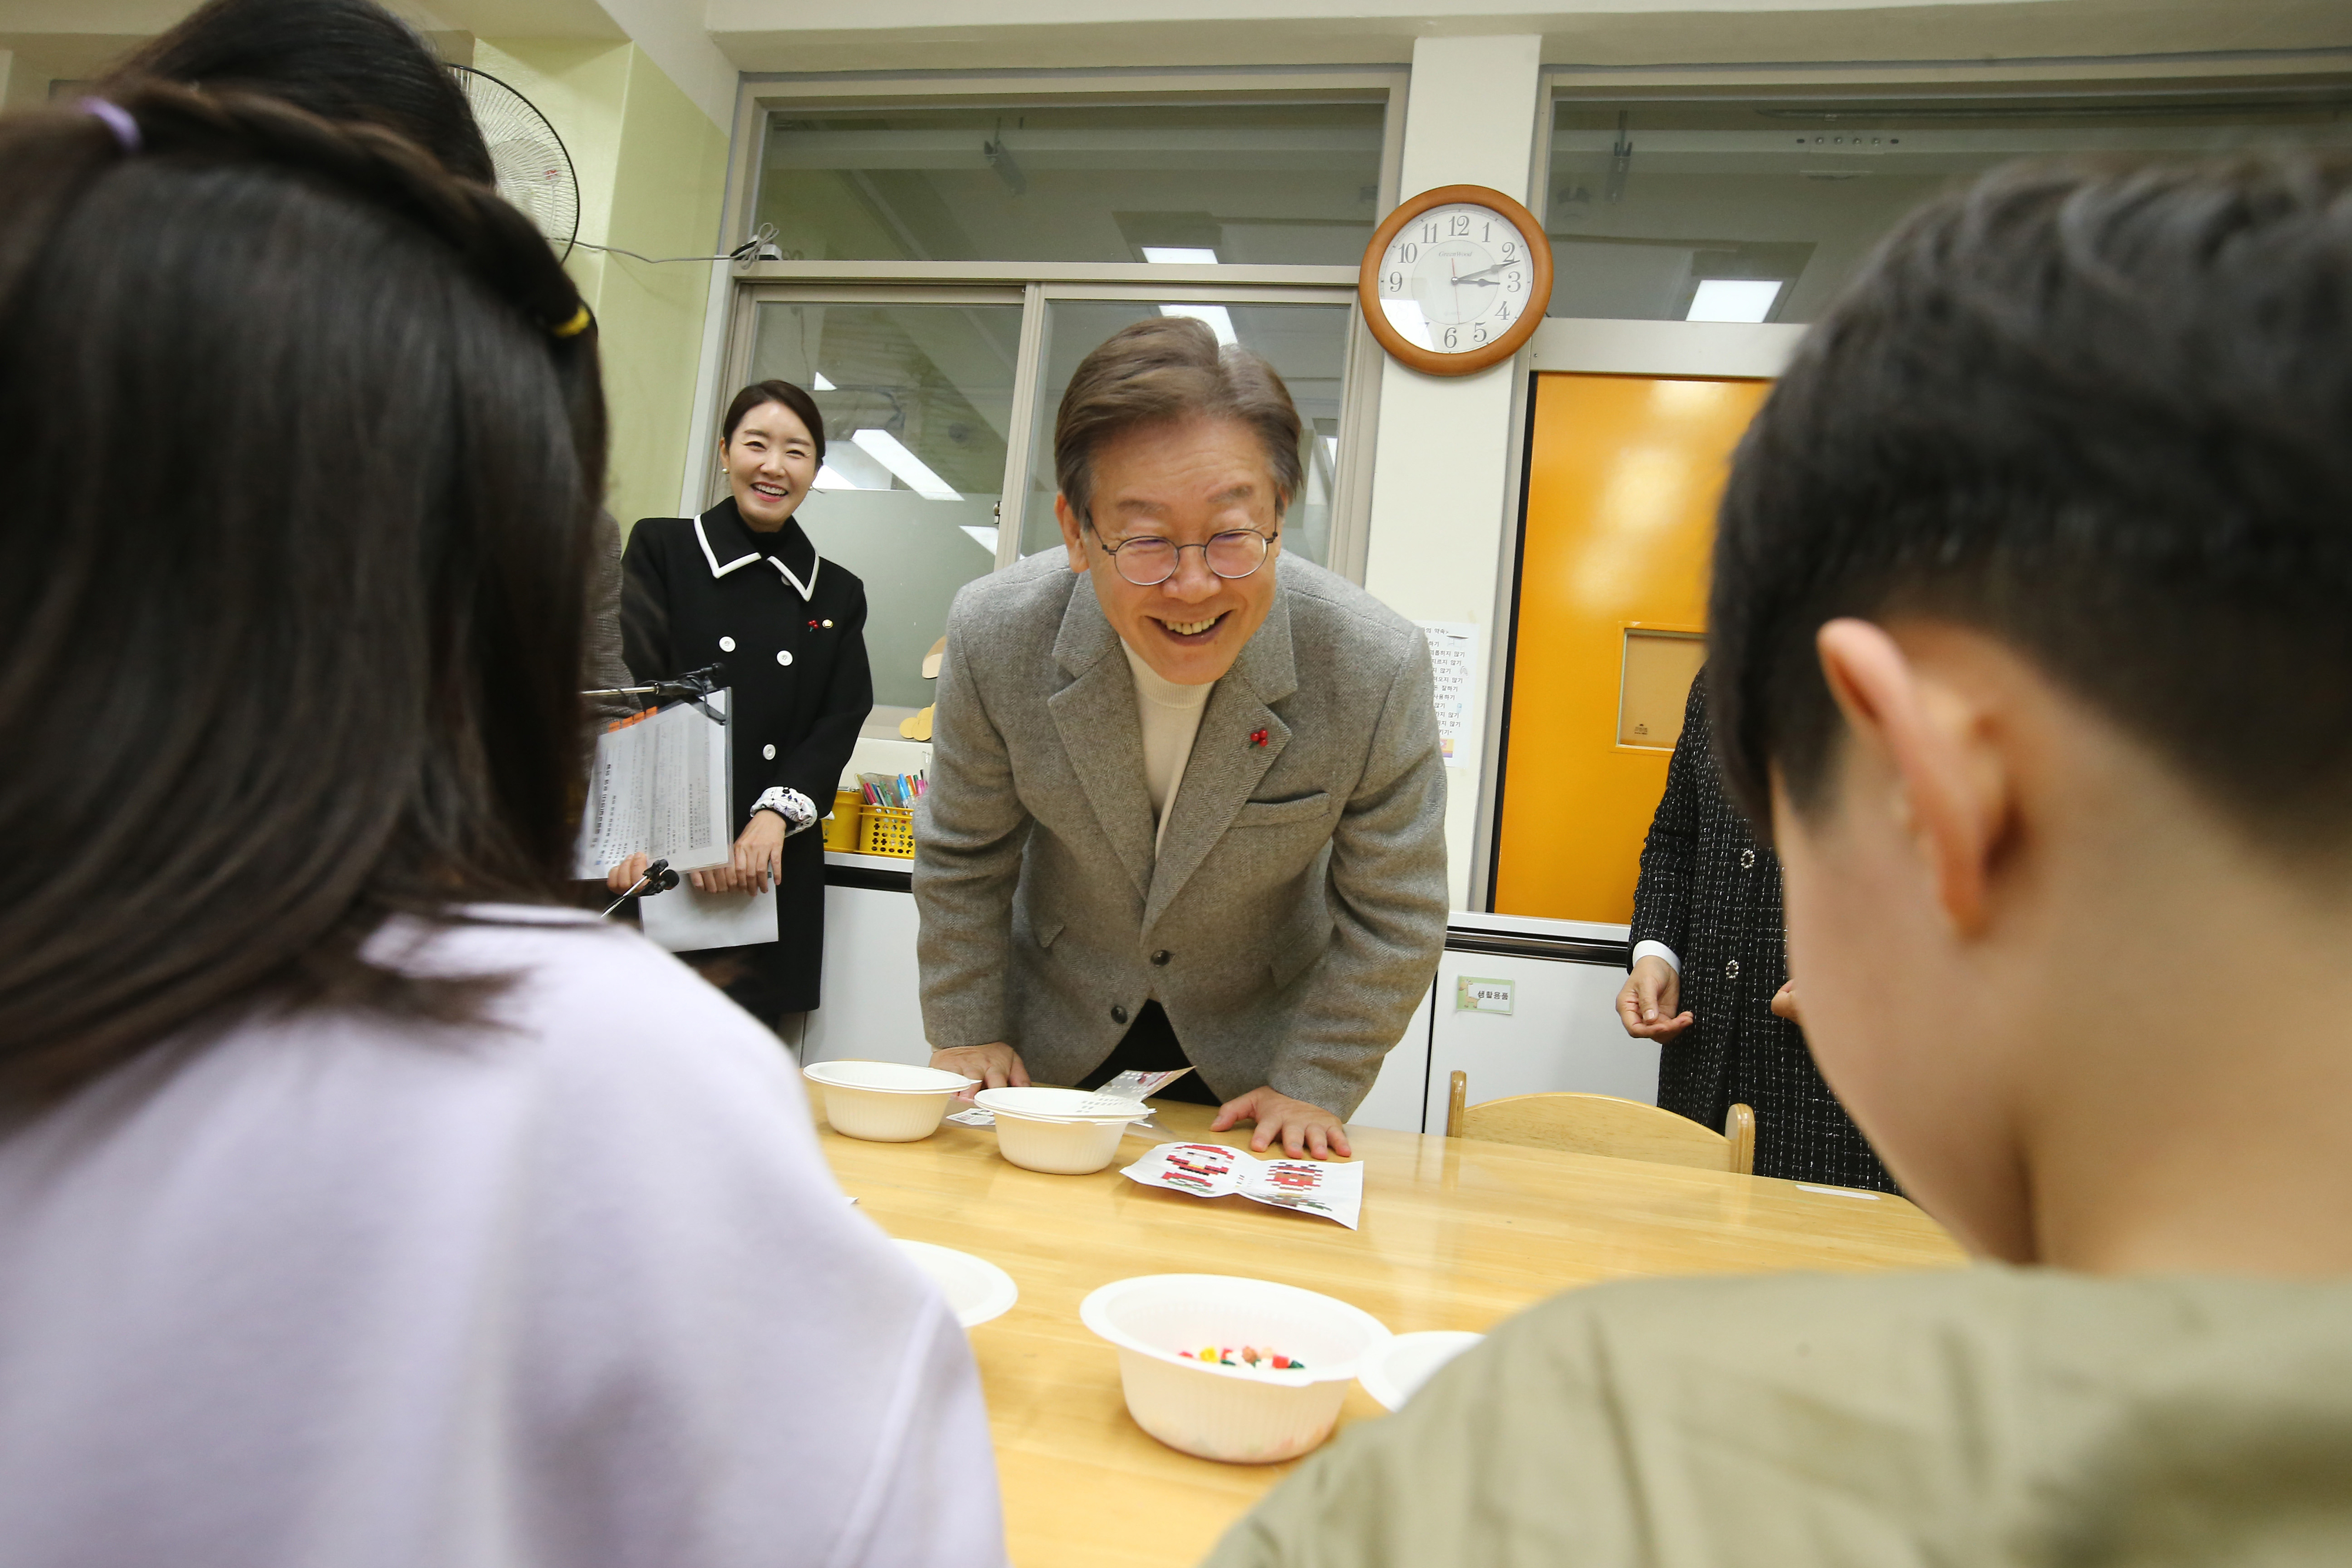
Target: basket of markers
{"x":886,"y":825}
{"x":841,"y":826}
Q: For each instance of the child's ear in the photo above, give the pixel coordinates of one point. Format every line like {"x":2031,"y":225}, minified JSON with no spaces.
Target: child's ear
{"x":1948,"y":793}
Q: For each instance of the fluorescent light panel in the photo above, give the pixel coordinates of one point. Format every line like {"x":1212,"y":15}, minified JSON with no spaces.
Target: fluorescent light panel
{"x":1180,"y":255}
{"x":1734,"y":299}
{"x":886,"y":449}
{"x":850,"y":467}
{"x":1219,"y":320}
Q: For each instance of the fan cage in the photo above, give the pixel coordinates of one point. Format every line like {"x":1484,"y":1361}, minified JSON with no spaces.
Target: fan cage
{"x":533,"y":167}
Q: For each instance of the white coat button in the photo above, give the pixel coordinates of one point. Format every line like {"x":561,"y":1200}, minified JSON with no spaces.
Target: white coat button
{"x":1731,"y":971}
{"x":769,"y":752}
{"x":727,"y":644}
{"x":1747,"y":860}
{"x":783,"y":655}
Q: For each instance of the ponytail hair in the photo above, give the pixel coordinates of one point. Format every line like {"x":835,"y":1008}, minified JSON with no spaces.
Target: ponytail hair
{"x":303,"y":439}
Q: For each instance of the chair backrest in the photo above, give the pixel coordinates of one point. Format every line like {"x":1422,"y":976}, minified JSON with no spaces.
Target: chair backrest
{"x":1604,"y":1125}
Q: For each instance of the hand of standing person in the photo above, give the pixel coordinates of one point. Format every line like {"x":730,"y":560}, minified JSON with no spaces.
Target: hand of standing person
{"x":996,"y":1065}
{"x":760,"y":852}
{"x":624,"y":876}
{"x":1302,"y":1128}
{"x":1646,"y":1006}
{"x":1784,"y":1004}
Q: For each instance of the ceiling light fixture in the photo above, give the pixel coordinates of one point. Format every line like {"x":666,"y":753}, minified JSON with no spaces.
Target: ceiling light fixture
{"x":1218,"y":319}
{"x":885,"y":448}
{"x":1733,"y":299}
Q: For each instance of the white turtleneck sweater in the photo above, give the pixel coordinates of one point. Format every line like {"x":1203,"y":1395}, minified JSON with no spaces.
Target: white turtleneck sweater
{"x":1171,"y":717}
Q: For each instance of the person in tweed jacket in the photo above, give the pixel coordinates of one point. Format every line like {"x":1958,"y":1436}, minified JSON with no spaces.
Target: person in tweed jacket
{"x":1710,"y":981}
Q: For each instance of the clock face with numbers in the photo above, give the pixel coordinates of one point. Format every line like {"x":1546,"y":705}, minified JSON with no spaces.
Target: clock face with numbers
{"x":1455,"y":279}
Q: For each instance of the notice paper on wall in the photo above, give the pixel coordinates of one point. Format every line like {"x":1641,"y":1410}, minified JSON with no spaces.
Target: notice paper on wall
{"x":1334,"y":1189}
{"x":658,"y":788}
{"x":1452,"y":652}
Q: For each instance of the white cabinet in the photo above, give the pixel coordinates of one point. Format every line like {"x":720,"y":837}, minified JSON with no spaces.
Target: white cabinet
{"x":1399,"y":1092}
{"x":872,"y":1009}
{"x":1562,"y":1032}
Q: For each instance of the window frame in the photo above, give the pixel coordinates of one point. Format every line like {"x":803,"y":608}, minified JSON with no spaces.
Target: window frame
{"x":1037,"y":285}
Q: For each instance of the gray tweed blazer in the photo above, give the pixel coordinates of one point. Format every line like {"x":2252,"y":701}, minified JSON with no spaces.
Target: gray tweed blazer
{"x":1298,"y":910}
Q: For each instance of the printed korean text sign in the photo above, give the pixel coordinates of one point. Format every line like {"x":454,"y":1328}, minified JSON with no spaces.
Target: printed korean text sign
{"x":1472,"y":994}
{"x":1453,"y":656}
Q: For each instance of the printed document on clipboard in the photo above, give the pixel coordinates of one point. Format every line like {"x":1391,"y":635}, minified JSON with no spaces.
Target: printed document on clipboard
{"x":658,"y":788}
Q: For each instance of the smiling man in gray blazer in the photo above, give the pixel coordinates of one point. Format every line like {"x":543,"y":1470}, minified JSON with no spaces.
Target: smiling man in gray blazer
{"x":1186,"y":802}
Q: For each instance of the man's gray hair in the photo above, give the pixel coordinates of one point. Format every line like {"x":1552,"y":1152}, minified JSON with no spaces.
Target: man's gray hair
{"x":1166,"y":369}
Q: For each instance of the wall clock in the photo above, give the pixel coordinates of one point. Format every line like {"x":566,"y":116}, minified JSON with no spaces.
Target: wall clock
{"x":1455,"y":279}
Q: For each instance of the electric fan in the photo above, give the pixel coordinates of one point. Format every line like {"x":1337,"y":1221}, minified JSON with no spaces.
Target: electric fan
{"x":534,"y":171}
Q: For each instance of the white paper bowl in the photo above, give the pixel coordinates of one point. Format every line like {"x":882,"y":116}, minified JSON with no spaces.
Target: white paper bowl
{"x":1238,"y":1415}
{"x":883,"y":1101}
{"x":1036,"y":1129}
{"x":976,"y":1288}
{"x":1393,"y":1371}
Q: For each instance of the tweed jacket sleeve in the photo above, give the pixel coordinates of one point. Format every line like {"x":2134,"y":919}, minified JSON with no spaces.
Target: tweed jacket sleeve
{"x":973,"y":827}
{"x":605,"y":668}
{"x":1662,"y":900}
{"x":1387,"y":899}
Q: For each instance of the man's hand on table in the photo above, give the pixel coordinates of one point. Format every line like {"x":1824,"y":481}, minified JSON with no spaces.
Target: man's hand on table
{"x":996,"y":1065}
{"x":1302,"y":1129}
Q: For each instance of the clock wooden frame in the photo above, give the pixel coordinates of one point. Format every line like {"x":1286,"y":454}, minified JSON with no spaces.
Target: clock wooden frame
{"x":1429,"y":362}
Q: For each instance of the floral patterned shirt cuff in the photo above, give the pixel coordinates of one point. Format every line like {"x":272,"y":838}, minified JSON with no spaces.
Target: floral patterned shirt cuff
{"x":790,"y":804}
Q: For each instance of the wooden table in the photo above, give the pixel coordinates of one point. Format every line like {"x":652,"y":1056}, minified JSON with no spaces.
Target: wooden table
{"x":1456,"y":1235}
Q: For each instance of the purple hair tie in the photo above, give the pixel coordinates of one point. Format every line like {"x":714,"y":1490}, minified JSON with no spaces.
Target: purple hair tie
{"x":115,"y":119}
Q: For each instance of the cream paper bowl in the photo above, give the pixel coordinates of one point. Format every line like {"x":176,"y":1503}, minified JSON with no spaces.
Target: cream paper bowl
{"x":978,"y":1291}
{"x":883,"y":1101}
{"x":1230,"y":1413}
{"x":1036,"y":1129}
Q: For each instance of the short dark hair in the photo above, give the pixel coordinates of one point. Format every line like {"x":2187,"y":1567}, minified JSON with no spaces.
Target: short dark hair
{"x":333,"y":676}
{"x":340,"y":60}
{"x":1163,"y":369}
{"x":2103,"y":413}
{"x":784,"y":392}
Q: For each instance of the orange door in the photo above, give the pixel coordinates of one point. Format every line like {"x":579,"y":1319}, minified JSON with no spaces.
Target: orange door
{"x":1623,"y":475}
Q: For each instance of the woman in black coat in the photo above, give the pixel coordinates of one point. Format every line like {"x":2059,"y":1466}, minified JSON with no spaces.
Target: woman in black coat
{"x":742,"y":588}
{"x":1707,"y":932}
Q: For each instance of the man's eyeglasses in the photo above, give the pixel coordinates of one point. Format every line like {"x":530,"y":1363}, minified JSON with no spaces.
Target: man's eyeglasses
{"x":1147,"y":560}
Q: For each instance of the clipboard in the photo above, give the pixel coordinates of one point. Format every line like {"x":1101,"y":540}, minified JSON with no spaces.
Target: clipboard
{"x":659,"y":786}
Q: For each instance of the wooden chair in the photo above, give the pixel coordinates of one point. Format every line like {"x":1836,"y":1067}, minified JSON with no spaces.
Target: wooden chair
{"x":1604,"y":1125}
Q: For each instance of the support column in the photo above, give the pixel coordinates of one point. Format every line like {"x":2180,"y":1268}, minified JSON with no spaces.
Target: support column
{"x":1440,"y":515}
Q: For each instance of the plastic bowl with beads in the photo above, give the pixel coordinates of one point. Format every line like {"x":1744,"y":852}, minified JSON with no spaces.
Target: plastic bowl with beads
{"x":1247,"y":1413}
